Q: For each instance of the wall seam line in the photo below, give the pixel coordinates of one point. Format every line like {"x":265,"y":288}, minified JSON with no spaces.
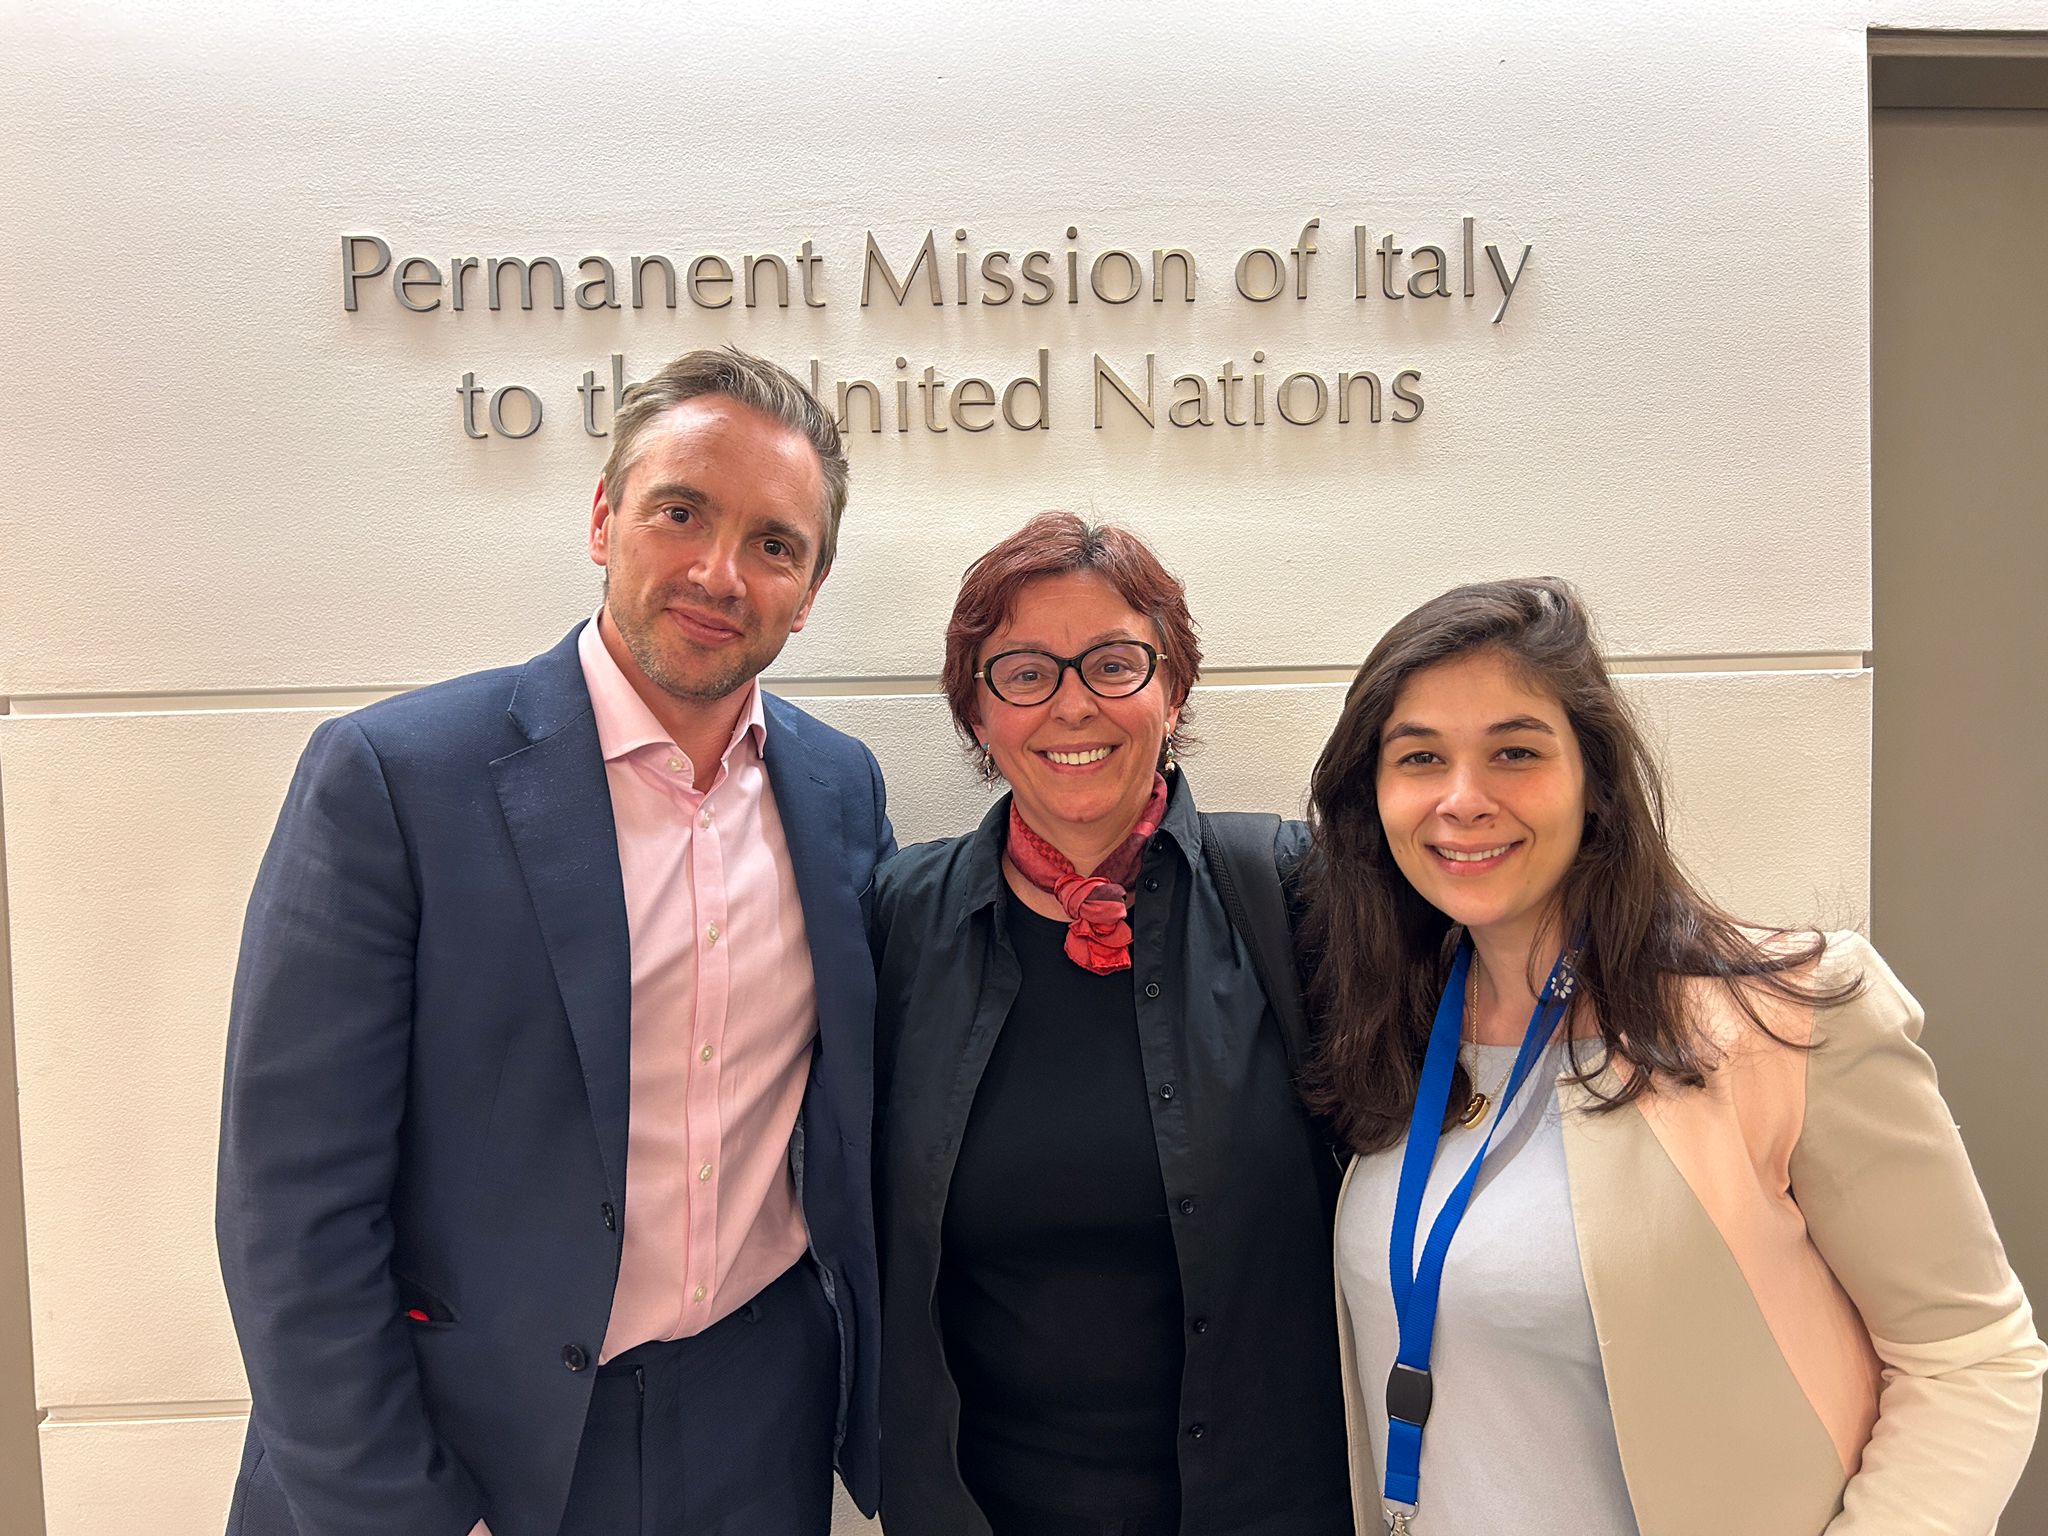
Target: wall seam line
{"x":249,"y":700}
{"x":75,"y":1414}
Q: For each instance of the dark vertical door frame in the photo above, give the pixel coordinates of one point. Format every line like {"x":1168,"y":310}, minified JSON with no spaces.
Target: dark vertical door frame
{"x":1955,"y":72}
{"x":21,"y":1467}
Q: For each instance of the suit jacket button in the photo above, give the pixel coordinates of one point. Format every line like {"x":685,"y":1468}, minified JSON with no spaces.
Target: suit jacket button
{"x":574,"y":1357}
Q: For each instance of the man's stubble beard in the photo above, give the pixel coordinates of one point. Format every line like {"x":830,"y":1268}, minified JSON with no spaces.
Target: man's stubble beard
{"x":640,"y":642}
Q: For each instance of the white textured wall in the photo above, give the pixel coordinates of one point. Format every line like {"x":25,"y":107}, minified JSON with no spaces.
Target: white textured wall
{"x":214,"y":482}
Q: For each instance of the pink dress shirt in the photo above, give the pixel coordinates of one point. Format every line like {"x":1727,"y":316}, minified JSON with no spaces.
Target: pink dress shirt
{"x":724,"y":1011}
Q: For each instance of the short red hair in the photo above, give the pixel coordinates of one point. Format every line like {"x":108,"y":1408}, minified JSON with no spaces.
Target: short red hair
{"x":1055,"y":544}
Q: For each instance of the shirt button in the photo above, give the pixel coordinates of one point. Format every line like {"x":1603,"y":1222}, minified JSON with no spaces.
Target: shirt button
{"x":1200,"y":1325}
{"x":706,"y":817}
{"x":574,"y":1357}
{"x":711,"y":933}
{"x":1166,"y":1090}
{"x":1187,"y":1207}
{"x":1196,"y":1431}
{"x":675,"y":765}
{"x":1151,"y":989}
{"x":698,"y":1294}
{"x":1151,"y":882}
{"x":704,"y":1173}
{"x":611,"y":1218}
{"x":1159,"y":845}
{"x":705,"y":1054}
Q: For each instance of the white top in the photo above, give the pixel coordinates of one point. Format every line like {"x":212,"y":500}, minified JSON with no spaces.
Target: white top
{"x":1520,"y":1438}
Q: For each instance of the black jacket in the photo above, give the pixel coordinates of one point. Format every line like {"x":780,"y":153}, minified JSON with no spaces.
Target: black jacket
{"x":1249,"y":1180}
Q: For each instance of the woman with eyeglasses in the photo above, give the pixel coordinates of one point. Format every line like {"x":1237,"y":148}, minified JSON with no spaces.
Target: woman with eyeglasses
{"x":1104,"y":1214}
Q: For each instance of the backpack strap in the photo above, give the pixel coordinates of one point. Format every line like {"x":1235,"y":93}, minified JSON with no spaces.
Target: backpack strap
{"x":1239,"y":849}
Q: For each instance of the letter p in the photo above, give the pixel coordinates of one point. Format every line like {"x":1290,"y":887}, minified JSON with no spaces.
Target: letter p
{"x":351,"y":274}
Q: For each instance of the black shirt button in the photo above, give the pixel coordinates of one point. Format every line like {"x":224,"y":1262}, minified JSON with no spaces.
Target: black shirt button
{"x":1196,"y":1431}
{"x":1166,"y":1090}
{"x":1151,"y":882}
{"x":1200,"y":1325}
{"x":1187,"y":1207}
{"x":1159,"y":844}
{"x":611,"y":1218}
{"x":574,"y":1357}
{"x":1151,"y":989}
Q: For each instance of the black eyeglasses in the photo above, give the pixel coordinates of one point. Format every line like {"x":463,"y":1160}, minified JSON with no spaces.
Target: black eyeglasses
{"x":1115,"y":669}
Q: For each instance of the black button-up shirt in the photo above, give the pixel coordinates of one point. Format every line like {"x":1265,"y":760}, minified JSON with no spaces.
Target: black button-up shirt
{"x":1249,"y":1182}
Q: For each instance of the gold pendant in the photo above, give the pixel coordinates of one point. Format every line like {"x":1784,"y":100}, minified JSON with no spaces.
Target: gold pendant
{"x":1475,"y":1110}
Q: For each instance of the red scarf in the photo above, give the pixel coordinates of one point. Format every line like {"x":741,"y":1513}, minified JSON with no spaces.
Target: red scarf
{"x":1099,"y":939}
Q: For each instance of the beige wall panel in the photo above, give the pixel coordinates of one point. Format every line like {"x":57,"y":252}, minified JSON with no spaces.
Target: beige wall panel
{"x":846,"y":1520}
{"x":1769,"y":785}
{"x":1673,"y":409}
{"x":132,"y":841}
{"x":147,"y":1477}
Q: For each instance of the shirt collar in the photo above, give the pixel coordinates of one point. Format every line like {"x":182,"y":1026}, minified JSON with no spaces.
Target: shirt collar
{"x":1182,"y":822}
{"x":624,"y":722}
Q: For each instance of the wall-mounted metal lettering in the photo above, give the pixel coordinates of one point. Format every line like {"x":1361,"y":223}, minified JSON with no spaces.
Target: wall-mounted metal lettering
{"x":936,"y":271}
{"x":918,"y":274}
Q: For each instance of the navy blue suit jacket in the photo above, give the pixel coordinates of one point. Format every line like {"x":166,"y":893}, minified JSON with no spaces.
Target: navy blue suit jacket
{"x":427,"y":1095}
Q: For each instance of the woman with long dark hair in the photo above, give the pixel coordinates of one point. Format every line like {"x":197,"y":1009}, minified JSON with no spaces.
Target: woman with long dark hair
{"x":1658,"y":1222}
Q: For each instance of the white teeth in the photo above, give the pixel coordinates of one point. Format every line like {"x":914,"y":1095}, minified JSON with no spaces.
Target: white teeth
{"x":1473,"y":858}
{"x":1079,"y":759}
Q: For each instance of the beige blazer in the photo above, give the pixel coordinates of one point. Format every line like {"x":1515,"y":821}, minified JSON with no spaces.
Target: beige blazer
{"x":1806,"y":1319}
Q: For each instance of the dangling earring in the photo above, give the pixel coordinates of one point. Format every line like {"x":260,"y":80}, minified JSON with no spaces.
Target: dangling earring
{"x":1169,"y":763}
{"x":991,"y":775}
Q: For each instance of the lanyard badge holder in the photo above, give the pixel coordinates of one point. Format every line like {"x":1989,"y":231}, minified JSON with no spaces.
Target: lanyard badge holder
{"x":1416,"y":1285}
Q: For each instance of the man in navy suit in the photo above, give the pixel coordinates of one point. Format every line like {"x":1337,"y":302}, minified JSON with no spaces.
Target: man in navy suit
{"x":544,"y":1198}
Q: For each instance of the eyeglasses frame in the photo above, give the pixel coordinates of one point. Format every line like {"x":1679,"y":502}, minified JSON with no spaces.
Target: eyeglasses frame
{"x":1059,"y":680}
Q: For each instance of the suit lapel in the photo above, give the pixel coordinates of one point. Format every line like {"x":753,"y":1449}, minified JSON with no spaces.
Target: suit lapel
{"x":558,"y":808}
{"x":809,"y":803}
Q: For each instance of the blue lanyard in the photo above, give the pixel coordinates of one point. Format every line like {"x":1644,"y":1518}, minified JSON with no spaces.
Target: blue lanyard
{"x":1416,"y":1286}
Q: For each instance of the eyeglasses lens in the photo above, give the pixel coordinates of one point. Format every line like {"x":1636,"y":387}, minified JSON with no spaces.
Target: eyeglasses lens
{"x":1024,"y":677}
{"x":1116,"y":670}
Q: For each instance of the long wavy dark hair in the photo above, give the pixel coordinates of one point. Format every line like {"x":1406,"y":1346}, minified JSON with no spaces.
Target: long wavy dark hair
{"x":1378,"y":954}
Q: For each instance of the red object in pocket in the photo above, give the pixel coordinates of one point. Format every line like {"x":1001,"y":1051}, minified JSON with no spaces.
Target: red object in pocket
{"x":417,"y":1315}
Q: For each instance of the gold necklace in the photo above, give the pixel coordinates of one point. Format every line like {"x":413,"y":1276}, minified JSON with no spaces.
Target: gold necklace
{"x":1477,"y":1106}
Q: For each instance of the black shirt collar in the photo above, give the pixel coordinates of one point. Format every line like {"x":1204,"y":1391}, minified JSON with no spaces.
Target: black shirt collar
{"x":985,"y":884}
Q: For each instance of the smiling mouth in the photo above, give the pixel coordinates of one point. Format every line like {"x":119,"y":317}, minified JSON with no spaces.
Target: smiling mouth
{"x":1080,"y":758}
{"x":703,"y":627}
{"x":1473,"y":858}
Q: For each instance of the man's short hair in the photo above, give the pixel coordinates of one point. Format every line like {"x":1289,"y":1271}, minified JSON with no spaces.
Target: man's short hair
{"x":753,"y":381}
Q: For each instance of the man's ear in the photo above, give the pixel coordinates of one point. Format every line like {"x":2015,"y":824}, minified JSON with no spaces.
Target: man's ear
{"x":803,"y":614}
{"x":600,"y":525}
